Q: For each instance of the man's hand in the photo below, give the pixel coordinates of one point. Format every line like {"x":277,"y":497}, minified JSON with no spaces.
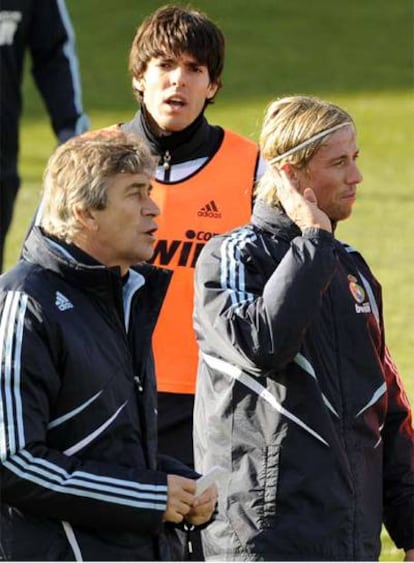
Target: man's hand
{"x":203,"y":506}
{"x":301,"y":208}
{"x":180,"y":498}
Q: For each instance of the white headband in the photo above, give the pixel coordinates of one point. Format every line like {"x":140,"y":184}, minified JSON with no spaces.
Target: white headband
{"x":309,"y":141}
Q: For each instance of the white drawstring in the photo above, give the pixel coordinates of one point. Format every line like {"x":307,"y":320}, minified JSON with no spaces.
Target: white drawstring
{"x":70,"y":534}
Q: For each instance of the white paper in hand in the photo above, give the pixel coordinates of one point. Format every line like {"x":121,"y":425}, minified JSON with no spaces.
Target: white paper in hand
{"x":210,"y":477}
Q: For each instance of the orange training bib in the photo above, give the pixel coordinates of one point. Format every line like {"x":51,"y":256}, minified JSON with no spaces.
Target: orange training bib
{"x":215,"y":199}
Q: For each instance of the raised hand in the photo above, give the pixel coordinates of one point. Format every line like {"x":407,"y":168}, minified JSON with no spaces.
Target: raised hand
{"x":302,"y":208}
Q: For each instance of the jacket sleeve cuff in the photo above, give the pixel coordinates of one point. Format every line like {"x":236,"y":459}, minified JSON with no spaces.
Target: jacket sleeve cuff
{"x":314,"y":233}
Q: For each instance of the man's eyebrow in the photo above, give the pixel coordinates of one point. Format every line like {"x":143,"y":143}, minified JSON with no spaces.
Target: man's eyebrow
{"x":337,"y":157}
{"x":138,"y":185}
{"x":343,"y":156}
{"x":166,"y":58}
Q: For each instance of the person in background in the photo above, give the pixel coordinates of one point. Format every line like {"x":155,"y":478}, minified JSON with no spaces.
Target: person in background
{"x":297,"y":394}
{"x":43,"y":29}
{"x":176,"y":64}
{"x":80,"y":474}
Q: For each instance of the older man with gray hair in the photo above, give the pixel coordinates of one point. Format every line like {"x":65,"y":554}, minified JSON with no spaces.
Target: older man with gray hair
{"x":80,"y":475}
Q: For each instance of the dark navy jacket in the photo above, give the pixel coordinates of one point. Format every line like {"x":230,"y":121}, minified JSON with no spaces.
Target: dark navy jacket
{"x":80,"y":476}
{"x":298,"y":398}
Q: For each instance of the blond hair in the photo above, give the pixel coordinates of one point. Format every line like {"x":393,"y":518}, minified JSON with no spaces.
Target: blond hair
{"x":288,"y":123}
{"x":77,"y":174}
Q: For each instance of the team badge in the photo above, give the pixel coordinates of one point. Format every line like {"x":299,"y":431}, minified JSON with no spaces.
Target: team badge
{"x":357,"y":291}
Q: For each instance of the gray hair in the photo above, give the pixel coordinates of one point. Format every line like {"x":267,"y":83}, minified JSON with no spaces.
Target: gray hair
{"x":77,"y":174}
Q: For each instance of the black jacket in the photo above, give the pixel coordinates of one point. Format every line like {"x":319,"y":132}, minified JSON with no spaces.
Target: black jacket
{"x":195,"y":144}
{"x":181,"y":155}
{"x":79,"y":464}
{"x":298,"y":398}
{"x":41,"y":28}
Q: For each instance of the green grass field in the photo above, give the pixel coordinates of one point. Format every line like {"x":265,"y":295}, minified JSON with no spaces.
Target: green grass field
{"x":358,"y":54}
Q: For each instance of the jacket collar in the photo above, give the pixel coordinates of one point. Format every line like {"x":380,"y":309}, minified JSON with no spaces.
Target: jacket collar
{"x":190,"y":143}
{"x":84,"y":272}
{"x":274,"y":220}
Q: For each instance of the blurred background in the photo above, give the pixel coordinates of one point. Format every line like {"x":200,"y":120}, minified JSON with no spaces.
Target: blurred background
{"x":358,"y":54}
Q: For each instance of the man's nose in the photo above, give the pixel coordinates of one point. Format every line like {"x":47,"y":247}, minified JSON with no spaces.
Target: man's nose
{"x":177,"y":76}
{"x":152,"y":208}
{"x":355,"y":176}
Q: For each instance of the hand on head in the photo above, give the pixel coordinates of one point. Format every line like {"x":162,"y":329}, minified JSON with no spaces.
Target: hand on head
{"x":301,"y":205}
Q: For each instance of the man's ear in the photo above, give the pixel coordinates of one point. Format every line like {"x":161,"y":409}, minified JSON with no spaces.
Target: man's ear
{"x":212,"y":90}
{"x":289,"y":170}
{"x":86,"y":217}
{"x":138,"y":84}
{"x":294,"y":174}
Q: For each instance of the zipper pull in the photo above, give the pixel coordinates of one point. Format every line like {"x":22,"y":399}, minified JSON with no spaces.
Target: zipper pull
{"x":139,"y":384}
{"x":166,"y":160}
{"x":189,"y":528}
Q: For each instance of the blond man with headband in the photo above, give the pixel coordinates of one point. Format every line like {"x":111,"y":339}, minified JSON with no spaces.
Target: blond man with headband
{"x":297,"y":395}
{"x":80,"y":475}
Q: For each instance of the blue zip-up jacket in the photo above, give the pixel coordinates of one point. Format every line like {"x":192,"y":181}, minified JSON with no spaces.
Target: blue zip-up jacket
{"x":298,"y":398}
{"x":80,"y":475}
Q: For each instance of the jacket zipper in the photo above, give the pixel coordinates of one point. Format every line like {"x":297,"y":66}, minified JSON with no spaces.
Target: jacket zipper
{"x":138,"y":383}
{"x":166,"y":158}
{"x":166,"y":165}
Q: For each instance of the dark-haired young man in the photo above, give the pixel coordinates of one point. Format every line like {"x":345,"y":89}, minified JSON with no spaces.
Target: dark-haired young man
{"x":176,"y":64}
